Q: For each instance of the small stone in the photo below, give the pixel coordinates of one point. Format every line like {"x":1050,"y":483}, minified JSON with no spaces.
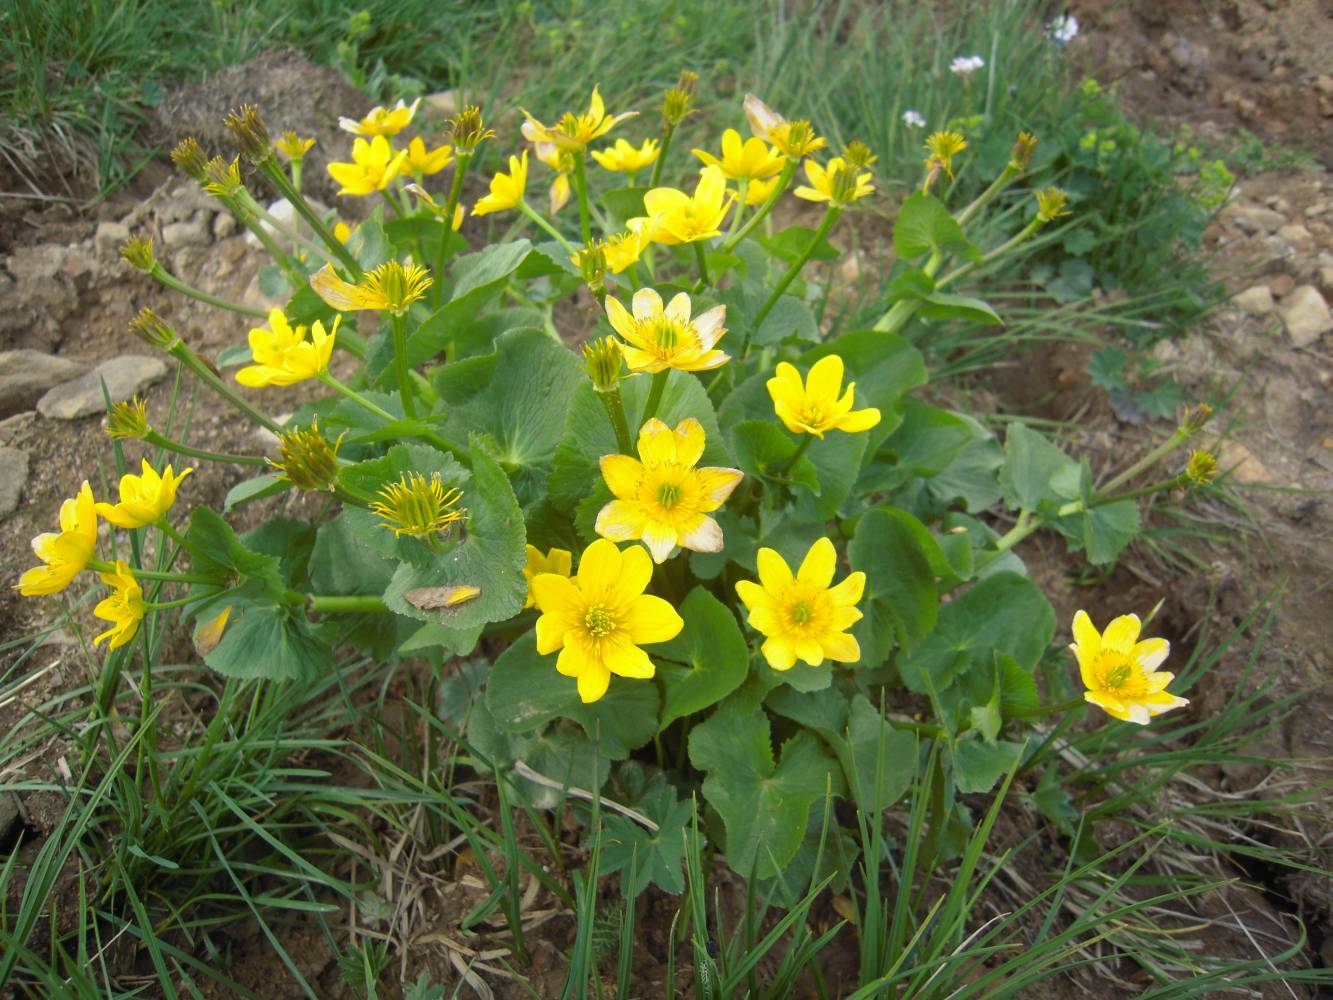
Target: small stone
{"x":1297,"y":237}
{"x":37,"y":263}
{"x":1257,"y":300}
{"x":183,"y":202}
{"x":1281,"y":284}
{"x":13,"y":477}
{"x":224,"y":224}
{"x":16,"y":427}
{"x":124,"y":376}
{"x":443,"y":103}
{"x":26,"y":374}
{"x":1239,"y":462}
{"x":109,"y":237}
{"x":1317,"y":208}
{"x":1306,"y":315}
{"x":1324,"y":84}
{"x":1326,"y":278}
{"x":193,"y":233}
{"x":1255,"y":218}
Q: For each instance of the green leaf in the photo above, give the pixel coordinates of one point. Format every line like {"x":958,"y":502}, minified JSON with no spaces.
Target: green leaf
{"x":564,"y":754}
{"x":490,"y":556}
{"x":658,"y":856}
{"x":926,"y":441}
{"x":789,"y":244}
{"x":525,"y":692}
{"x":344,"y":562}
{"x":763,"y":802}
{"x":763,"y":450}
{"x":942,"y":306}
{"x":972,"y":476}
{"x":1018,"y":691}
{"x":881,"y":760}
{"x":269,"y":643}
{"x":234,"y":356}
{"x":268,"y":484}
{"x":368,"y":243}
{"x":900,"y":599}
{"x":986,"y":718}
{"x":977,"y":766}
{"x":1036,"y":472}
{"x":1054,"y":802}
{"x":217,"y":552}
{"x":624,"y":203}
{"x":1104,"y":530}
{"x":924,"y":225}
{"x":705,"y":662}
{"x":789,"y":317}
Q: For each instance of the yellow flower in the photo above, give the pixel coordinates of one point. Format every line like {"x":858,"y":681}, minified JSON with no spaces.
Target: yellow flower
{"x":380,"y":121}
{"x":282,"y":354}
{"x":557,"y":561}
{"x":506,"y":189}
{"x":342,"y":232}
{"x":420,"y":161}
{"x":392,"y":287}
{"x":813,"y":407}
{"x":802,"y":616}
{"x":624,"y":249}
{"x":292,"y":146}
{"x":625,"y":158}
{"x":662,"y":499}
{"x":837,"y":183}
{"x":562,"y":162}
{"x":1120,"y":672}
{"x":374,"y":166}
{"x":659,"y":338}
{"x":795,"y":139}
{"x":943,"y":147}
{"x":757,"y":192}
{"x":750,"y":160}
{"x":144,"y":499}
{"x":65,"y":553}
{"x":598,"y":618}
{"x":418,"y":506}
{"x":682,"y":218}
{"x":124,"y":607}
{"x":572,"y":131}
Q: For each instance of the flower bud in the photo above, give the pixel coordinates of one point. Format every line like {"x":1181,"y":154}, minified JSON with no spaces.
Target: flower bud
{"x":858,"y":155}
{"x":591,"y":262}
{"x":603,"y":360}
{"x":1195,"y":418}
{"x":127,"y":420}
{"x":189,"y":157}
{"x":1021,"y":154}
{"x":249,"y":132}
{"x":308,"y":460}
{"x":1201,"y":469}
{"x":679,"y":100}
{"x":1051,"y":204}
{"x":467,"y":131}
{"x":149,"y":327}
{"x":138,"y":250}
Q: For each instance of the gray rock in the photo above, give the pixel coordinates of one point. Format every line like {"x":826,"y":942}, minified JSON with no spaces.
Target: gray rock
{"x":1297,"y":237}
{"x":1257,"y":300}
{"x":13,"y":477}
{"x":1326,"y":278}
{"x":1306,"y":314}
{"x":37,"y":263}
{"x":25,"y":375}
{"x":224,"y":224}
{"x":443,"y":103}
{"x":194,"y":233}
{"x":16,"y":427}
{"x":1255,"y":218}
{"x":110,"y":237}
{"x":182,"y":202}
{"x":82,"y":397}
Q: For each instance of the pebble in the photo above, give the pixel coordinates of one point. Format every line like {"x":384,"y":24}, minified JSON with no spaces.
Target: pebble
{"x":224,"y":224}
{"x":26,"y":374}
{"x":37,"y":263}
{"x":110,"y":237}
{"x":443,"y":102}
{"x":82,"y":397}
{"x":1281,"y":284}
{"x":1256,"y":300}
{"x":1306,"y":315}
{"x":1255,"y":218}
{"x":1326,"y":278}
{"x":1297,"y":237}
{"x":193,"y":233}
{"x":13,"y":477}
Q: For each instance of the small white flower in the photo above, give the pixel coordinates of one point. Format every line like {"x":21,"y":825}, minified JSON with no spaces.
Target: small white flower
{"x":1063,"y":29}
{"x":965,"y":66}
{"x":913,"y":118}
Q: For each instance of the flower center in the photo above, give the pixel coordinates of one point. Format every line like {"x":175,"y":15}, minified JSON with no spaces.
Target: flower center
{"x":598,"y":621}
{"x":668,"y":495}
{"x":815,"y":415}
{"x":664,"y":333}
{"x":801,"y":613}
{"x":1116,"y":676}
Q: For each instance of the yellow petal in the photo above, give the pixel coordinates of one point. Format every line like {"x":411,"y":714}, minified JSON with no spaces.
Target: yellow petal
{"x":774,"y":573}
{"x":780,"y":652}
{"x":657,"y":443}
{"x":849,"y":591}
{"x":1151,"y":654}
{"x":620,"y":522}
{"x":819,"y":564}
{"x":825,"y":379}
{"x":636,"y":569}
{"x":622,"y":475}
{"x":1122,"y":634}
{"x":599,"y":569}
{"x":650,"y":619}
{"x":624,"y":659}
{"x":859,"y":420}
{"x":841,"y":647}
{"x":689,"y":441}
{"x":753,"y":597}
{"x":594,"y":679}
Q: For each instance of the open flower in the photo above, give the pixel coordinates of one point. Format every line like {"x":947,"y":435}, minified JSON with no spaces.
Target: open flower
{"x":144,"y":498}
{"x":623,"y":249}
{"x":67,"y":552}
{"x":839,"y":182}
{"x":381,"y":121}
{"x":658,"y":338}
{"x":814,"y":406}
{"x":750,"y":160}
{"x":572,"y":131}
{"x":662,"y":499}
{"x":123,"y":607}
{"x":599,"y":618}
{"x":1120,"y":672}
{"x":683,"y":218}
{"x":625,"y":158}
{"x":506,"y":189}
{"x":944,"y":146}
{"x":802,"y":616}
{"x":420,"y":160}
{"x":795,"y":139}
{"x":392,"y":287}
{"x":557,"y":561}
{"x":282,"y":354}
{"x":374,"y":166}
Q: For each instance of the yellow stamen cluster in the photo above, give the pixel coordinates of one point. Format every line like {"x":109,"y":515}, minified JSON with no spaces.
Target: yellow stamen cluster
{"x":308,"y":460}
{"x":127,"y":420}
{"x":943,"y":147}
{"x":138,"y":250}
{"x":249,"y":131}
{"x":292,"y":146}
{"x":418,"y":506}
{"x":467,"y":131}
{"x":1021,"y":155}
{"x":1201,"y":469}
{"x":149,"y":327}
{"x":679,"y":101}
{"x":222,"y":179}
{"x":1051,"y":203}
{"x":189,"y":157}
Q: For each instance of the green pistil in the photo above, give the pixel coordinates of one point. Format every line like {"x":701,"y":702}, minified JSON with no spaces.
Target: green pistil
{"x":598,"y":622}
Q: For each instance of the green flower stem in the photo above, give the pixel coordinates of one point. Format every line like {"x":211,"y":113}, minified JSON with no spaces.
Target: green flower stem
{"x":171,"y":281}
{"x":550,"y":230}
{"x":181,"y":602}
{"x":296,"y":172}
{"x":1178,"y":438}
{"x":346,"y":604}
{"x":830,"y":217}
{"x":703,"y":265}
{"x":1022,"y":236}
{"x":615,"y":410}
{"x":400,"y":365}
{"x":983,"y":199}
{"x":102,"y":566}
{"x":581,"y":187}
{"x":1147,"y":491}
{"x":274,"y":172}
{"x":281,"y":227}
{"x":239,"y":208}
{"x":654,"y":395}
{"x":779,"y":190}
{"x":451,"y":206}
{"x":922,"y":728}
{"x":429,"y":436}
{"x":796,"y":455}
{"x":667,"y":131}
{"x":352,"y":342}
{"x":743,"y":185}
{"x":186,"y":356}
{"x":158,"y":441}
{"x":165,"y":527}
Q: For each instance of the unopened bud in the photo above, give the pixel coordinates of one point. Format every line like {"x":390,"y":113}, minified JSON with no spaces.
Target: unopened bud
{"x":679,"y":101}
{"x":138,"y":250}
{"x":249,"y":132}
{"x":603,"y":360}
{"x":127,"y":419}
{"x":1195,"y":418}
{"x":1021,"y":154}
{"x":591,"y":262}
{"x":309,"y":461}
{"x":189,"y":157}
{"x":149,"y":327}
{"x":292,"y":146}
{"x":858,"y":155}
